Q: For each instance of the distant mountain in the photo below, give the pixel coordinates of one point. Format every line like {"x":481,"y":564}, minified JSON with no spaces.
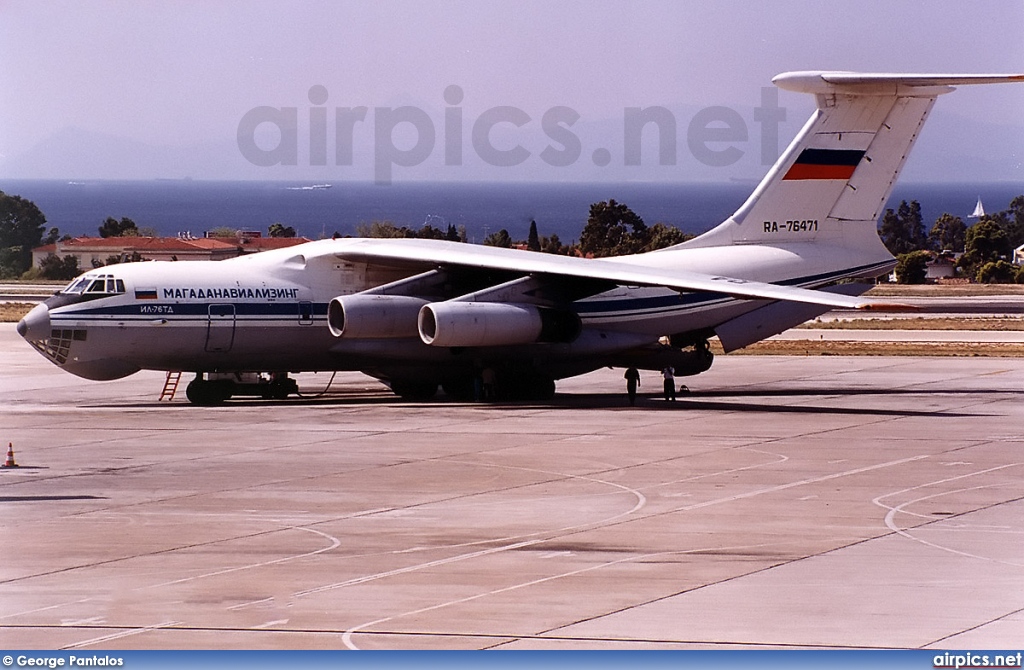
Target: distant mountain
{"x":955,"y":148}
{"x":74,"y":153}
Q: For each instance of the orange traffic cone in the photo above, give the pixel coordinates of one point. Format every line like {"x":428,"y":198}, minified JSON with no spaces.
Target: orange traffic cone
{"x":9,"y":463}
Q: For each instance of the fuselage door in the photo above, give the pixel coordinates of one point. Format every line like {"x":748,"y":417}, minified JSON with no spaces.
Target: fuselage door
{"x":305,"y":313}
{"x":220,"y":329}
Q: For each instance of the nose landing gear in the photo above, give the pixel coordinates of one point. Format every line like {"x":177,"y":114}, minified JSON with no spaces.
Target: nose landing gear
{"x":208,"y":392}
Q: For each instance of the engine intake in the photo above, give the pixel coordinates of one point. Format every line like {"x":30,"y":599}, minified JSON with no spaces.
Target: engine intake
{"x":374,"y":316}
{"x":490,"y":324}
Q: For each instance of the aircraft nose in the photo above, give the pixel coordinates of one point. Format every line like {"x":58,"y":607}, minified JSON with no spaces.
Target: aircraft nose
{"x":36,"y":324}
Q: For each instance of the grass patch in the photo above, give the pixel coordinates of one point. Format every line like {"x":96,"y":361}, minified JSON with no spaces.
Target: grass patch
{"x":999,"y":323}
{"x":833,"y":348}
{"x":12,"y":312}
{"x":943,"y":290}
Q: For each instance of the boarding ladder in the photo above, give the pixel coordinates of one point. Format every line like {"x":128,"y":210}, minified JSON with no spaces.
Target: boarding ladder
{"x":170,"y":385}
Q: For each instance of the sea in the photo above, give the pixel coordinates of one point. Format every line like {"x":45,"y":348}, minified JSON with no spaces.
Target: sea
{"x":179,"y":207}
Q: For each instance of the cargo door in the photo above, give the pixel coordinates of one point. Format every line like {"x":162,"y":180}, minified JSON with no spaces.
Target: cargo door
{"x":220,"y":328}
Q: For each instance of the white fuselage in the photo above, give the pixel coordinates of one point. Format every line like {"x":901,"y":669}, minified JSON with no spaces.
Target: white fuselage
{"x":269,"y":311}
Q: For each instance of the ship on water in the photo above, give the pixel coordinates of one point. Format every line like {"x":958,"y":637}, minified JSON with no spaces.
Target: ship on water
{"x":979,"y":211}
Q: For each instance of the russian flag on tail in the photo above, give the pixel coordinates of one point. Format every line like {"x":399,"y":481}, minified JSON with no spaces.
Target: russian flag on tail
{"x":824,"y":164}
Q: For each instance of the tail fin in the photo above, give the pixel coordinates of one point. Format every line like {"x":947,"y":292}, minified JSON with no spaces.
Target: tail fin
{"x":831,"y":183}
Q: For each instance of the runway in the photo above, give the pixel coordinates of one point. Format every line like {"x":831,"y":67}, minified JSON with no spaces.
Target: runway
{"x":861,"y":502}
{"x":899,"y":335}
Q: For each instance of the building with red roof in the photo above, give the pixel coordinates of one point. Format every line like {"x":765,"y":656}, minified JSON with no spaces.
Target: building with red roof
{"x":95,"y":251}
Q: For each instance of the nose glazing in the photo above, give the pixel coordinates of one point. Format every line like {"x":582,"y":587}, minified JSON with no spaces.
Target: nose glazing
{"x":36,"y":324}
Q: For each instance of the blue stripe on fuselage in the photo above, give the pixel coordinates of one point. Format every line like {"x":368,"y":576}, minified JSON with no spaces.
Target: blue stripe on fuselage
{"x":290,"y":309}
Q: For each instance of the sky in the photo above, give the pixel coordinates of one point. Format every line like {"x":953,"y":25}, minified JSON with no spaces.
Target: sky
{"x":143,"y":89}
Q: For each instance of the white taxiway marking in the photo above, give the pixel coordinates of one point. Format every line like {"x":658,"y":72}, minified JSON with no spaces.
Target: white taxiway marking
{"x":347,"y":636}
{"x":545,"y":536}
{"x":278,"y":622}
{"x":117,"y":636}
{"x":890,"y":517}
{"x":335,"y":543}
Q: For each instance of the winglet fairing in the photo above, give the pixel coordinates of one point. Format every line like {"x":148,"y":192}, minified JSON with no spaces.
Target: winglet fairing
{"x":419,"y":313}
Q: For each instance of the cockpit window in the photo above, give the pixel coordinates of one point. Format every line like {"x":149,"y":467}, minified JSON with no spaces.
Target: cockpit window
{"x":95,"y":286}
{"x":77,"y":286}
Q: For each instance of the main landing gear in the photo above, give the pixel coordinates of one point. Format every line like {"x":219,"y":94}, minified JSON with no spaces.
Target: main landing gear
{"x":216,"y":388}
{"x":506,"y":384}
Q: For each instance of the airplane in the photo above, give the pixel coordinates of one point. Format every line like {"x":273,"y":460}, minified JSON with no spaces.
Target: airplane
{"x":422,"y":314}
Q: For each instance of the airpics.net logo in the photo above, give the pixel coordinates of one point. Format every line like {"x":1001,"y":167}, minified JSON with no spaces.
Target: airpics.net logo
{"x":407,"y":136}
{"x":975,"y":661}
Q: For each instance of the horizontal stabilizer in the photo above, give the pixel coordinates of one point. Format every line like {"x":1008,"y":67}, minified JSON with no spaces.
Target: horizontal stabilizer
{"x":831,"y":184}
{"x":877,"y":83}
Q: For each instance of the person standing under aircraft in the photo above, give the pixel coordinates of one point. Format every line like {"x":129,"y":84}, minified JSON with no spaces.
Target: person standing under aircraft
{"x":487,"y":376}
{"x":632,"y":378}
{"x":669,"y":374}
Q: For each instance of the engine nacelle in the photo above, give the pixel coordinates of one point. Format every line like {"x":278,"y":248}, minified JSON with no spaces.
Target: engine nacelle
{"x":374,"y":316}
{"x":491,"y":324}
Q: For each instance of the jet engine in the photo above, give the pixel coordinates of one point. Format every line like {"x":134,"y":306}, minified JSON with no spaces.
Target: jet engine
{"x":491,"y":324}
{"x":373,"y":316}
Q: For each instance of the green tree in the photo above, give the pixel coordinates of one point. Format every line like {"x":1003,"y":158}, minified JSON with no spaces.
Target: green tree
{"x":948,"y":232}
{"x":912,"y":268}
{"x":133,"y":257}
{"x":111,"y":227}
{"x":902,"y":231}
{"x":55,"y":267}
{"x":499,"y":239}
{"x":54,"y":236}
{"x":280,"y":230}
{"x":664,"y":235}
{"x":891,"y":232}
{"x":999,"y":272}
{"x":388,"y":230}
{"x":553,"y":245}
{"x":380,"y":230}
{"x":533,"y":240}
{"x":613,"y":229}
{"x":222,"y":231}
{"x":985,"y":242}
{"x":21,"y":230}
{"x":1014,"y":218}
{"x":428,"y":232}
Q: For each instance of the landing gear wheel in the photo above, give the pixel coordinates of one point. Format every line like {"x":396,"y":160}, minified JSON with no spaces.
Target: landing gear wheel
{"x":280,"y":389}
{"x":460,"y":390}
{"x":206,"y":393}
{"x":530,"y":388}
{"x":542,"y":389}
{"x":408,"y":390}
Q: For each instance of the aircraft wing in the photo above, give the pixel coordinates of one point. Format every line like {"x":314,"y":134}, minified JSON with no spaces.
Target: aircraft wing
{"x":427,"y":254}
